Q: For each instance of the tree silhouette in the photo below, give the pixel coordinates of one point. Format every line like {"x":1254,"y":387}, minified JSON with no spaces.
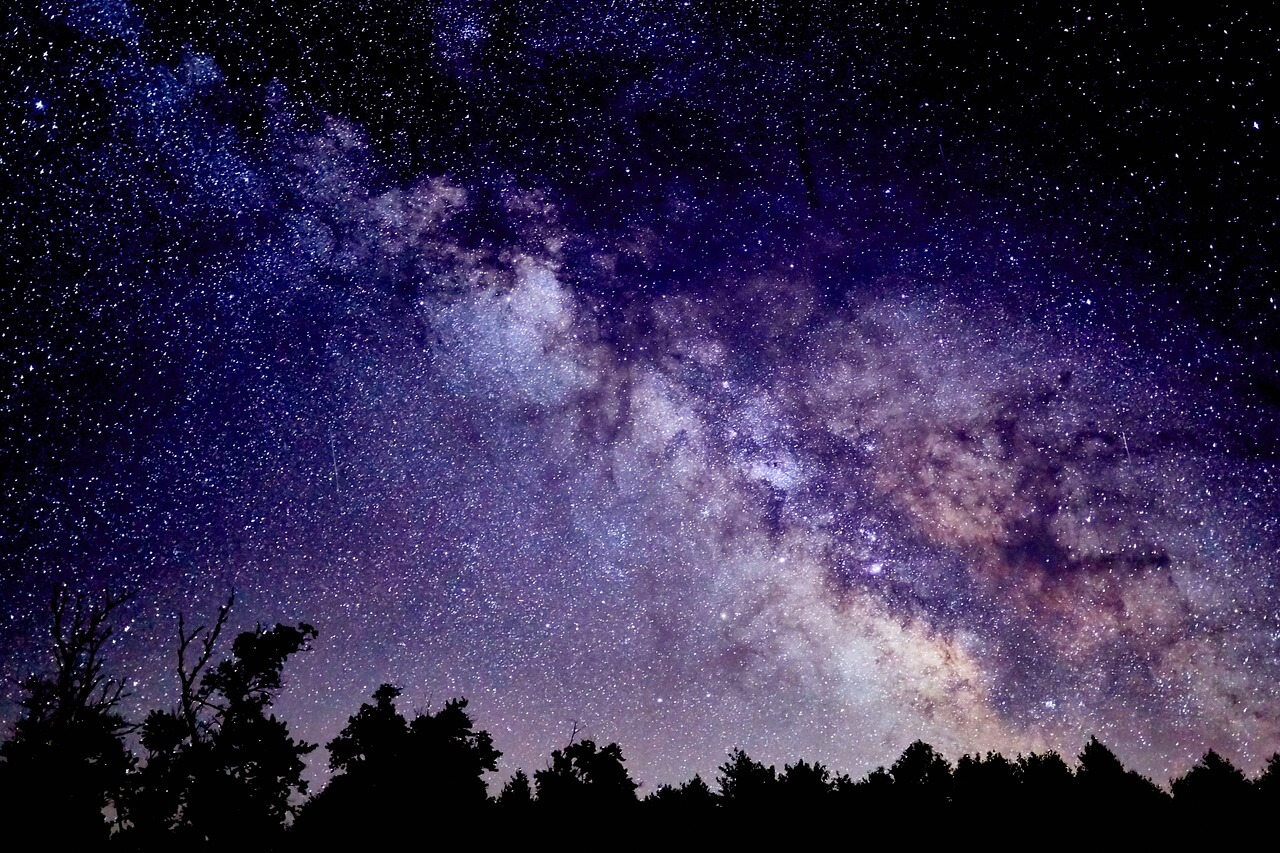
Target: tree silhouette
{"x":873,"y":794}
{"x":257,"y":764}
{"x":581,"y":775}
{"x":394,"y":771}
{"x":1266,"y":787}
{"x":67,"y":761}
{"x":804,"y":786}
{"x":453,"y":755}
{"x":1108,"y":788}
{"x":1047,"y":783}
{"x":985,"y":783}
{"x":745,"y":782}
{"x":921,"y":777}
{"x":374,"y":737}
{"x":220,"y":753}
{"x":517,"y":794}
{"x":693,"y":799}
{"x":175,"y":743}
{"x":1214,"y":786}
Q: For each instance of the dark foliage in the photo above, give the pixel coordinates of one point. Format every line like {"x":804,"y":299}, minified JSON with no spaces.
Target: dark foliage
{"x":1110,"y":791}
{"x":1213,"y":786}
{"x":986,"y":784}
{"x":374,"y":737}
{"x":584,"y":776}
{"x":1267,"y":784}
{"x":220,"y":752}
{"x":516,"y":796}
{"x":805,"y":786}
{"x":67,"y":761}
{"x":1048,"y":787}
{"x":397,"y":776}
{"x":876,"y":788}
{"x":921,"y":777}
{"x":746,"y":783}
{"x":689,"y":798}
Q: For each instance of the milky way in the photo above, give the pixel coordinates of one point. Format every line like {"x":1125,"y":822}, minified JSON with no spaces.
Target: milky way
{"x":809,"y":385}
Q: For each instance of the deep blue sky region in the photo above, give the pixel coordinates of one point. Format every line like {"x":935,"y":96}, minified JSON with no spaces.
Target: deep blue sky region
{"x":802,"y":378}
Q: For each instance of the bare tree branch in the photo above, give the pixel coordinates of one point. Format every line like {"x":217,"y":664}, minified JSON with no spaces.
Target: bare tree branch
{"x":80,"y":631}
{"x":188,"y":677}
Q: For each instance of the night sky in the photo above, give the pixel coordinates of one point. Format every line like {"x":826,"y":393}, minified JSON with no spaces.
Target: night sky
{"x":804,"y":380}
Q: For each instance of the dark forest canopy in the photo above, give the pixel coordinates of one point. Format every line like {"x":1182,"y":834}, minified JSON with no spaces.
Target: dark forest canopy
{"x":219,"y":768}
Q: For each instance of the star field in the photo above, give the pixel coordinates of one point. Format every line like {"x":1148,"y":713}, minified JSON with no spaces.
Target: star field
{"x":807,"y":381}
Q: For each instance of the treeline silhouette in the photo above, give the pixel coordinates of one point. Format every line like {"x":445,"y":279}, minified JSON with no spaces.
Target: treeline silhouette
{"x":218,"y":769}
